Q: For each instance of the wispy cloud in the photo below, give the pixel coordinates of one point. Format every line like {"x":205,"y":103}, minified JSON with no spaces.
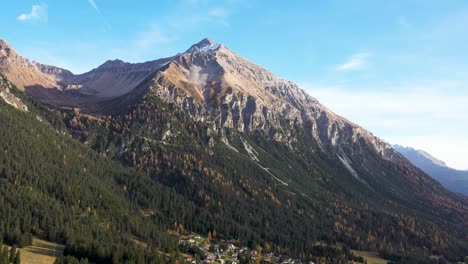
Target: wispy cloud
{"x":424,"y":114}
{"x":355,"y":62}
{"x":94,"y":5}
{"x":38,"y":13}
{"x":186,"y":16}
{"x":154,"y":35}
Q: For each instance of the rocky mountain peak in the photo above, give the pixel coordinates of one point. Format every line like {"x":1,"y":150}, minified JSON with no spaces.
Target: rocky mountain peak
{"x":210,"y":82}
{"x":24,"y":73}
{"x":415,"y":154}
{"x":432,"y":158}
{"x":112,"y":64}
{"x":53,"y":70}
{"x":204,"y":45}
{"x":5,"y":48}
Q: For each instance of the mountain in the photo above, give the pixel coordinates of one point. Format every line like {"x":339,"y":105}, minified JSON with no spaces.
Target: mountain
{"x":24,"y":73}
{"x":54,"y":186}
{"x":210,"y":75}
{"x":59,"y":87}
{"x":248,"y":155}
{"x":9,"y":97}
{"x":455,"y":180}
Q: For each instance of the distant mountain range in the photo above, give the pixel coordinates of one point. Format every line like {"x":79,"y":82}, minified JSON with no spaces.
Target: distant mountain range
{"x":205,"y":141}
{"x":455,"y":180}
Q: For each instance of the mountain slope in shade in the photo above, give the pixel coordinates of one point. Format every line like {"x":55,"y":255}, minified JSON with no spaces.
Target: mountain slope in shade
{"x":455,"y":180}
{"x":210,"y":80}
{"x":24,"y":73}
{"x":245,"y":108}
{"x":263,"y":160}
{"x":56,"y":187}
{"x":59,"y":87}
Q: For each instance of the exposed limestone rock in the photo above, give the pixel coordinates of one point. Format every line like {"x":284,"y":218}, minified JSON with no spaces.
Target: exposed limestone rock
{"x":8,"y":97}
{"x":209,"y":81}
{"x":214,"y":83}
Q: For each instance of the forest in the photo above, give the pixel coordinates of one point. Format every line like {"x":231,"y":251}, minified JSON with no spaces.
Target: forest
{"x":97,"y":183}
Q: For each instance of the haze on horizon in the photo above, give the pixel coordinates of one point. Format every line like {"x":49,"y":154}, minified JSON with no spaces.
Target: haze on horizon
{"x":396,"y":68}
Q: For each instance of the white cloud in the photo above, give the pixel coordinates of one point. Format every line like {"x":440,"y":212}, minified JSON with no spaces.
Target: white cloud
{"x":38,"y":13}
{"x":426,"y":115}
{"x":94,"y":5}
{"x":355,"y":62}
{"x":154,"y":35}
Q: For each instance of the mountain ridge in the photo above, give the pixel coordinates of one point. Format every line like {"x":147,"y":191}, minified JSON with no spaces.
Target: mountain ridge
{"x":211,"y":81}
{"x":453,"y":179}
{"x":229,"y":86}
{"x":60,"y":87}
{"x":79,"y":90}
{"x":257,"y":152}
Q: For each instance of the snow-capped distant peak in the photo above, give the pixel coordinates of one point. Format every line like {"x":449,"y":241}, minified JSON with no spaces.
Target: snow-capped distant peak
{"x":206,"y":45}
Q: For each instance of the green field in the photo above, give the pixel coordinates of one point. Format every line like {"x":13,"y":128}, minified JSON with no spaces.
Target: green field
{"x":41,"y":252}
{"x":371,"y":257}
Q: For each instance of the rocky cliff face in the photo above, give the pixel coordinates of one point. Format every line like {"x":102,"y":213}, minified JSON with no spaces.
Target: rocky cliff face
{"x":283,"y":152}
{"x":114,"y":78}
{"x":211,"y":82}
{"x":7,"y":95}
{"x":59,"y":87}
{"x":24,"y":73}
{"x":57,"y":72}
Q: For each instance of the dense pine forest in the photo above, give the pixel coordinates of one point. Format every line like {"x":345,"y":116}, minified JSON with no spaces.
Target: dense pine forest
{"x":52,"y":184}
{"x":98,"y":183}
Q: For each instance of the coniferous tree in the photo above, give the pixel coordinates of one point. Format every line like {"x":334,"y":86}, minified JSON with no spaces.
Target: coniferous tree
{"x":4,"y":258}
{"x":12,"y":254}
{"x":17,"y":258}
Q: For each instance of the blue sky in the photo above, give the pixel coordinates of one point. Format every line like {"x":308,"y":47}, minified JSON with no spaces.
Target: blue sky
{"x":398,"y":68}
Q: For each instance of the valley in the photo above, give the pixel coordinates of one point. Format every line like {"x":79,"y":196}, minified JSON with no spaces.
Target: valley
{"x":207,"y":142}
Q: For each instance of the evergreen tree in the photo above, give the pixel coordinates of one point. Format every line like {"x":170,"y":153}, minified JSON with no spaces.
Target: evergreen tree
{"x":4,"y":257}
{"x":17,"y":258}
{"x":12,"y":254}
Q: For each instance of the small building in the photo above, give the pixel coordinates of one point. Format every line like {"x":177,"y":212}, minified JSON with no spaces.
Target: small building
{"x":231,"y":247}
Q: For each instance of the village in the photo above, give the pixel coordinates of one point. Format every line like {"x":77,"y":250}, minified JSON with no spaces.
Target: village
{"x":198,"y":249}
